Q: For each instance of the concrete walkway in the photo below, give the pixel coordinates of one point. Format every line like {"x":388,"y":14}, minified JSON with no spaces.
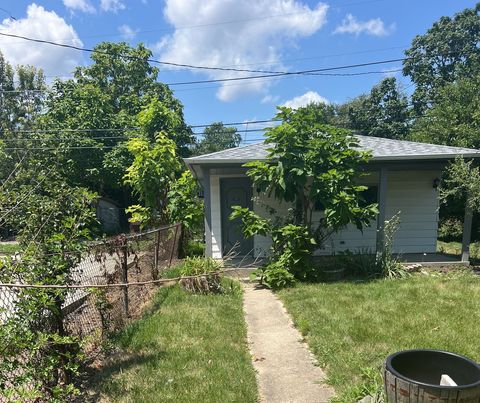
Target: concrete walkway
{"x":286,"y":370}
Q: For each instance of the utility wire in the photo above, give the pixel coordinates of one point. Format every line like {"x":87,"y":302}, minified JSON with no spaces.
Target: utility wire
{"x":75,"y":130}
{"x":283,"y":74}
{"x":189,"y":66}
{"x":290,"y":73}
{"x":134,"y":128}
{"x":107,"y":137}
{"x":265,"y":73}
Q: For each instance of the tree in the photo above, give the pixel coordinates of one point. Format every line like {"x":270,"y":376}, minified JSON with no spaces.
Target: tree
{"x":382,"y":113}
{"x":309,"y":163}
{"x":119,"y":90}
{"x":151,"y":175}
{"x":218,"y":137}
{"x":21,"y":96}
{"x":462,"y":183}
{"x":454,"y":119}
{"x":447,"y":51}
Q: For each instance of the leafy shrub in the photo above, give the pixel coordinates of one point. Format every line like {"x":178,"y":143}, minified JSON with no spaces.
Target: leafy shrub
{"x":193,"y":248}
{"x":450,"y":229}
{"x":208,"y":271}
{"x":387,"y":264}
{"x":274,"y":276}
{"x":293,"y":246}
{"x":367,"y":264}
{"x":362,"y":263}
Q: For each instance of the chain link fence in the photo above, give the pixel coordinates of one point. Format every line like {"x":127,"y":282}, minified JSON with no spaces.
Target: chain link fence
{"x":112,"y":283}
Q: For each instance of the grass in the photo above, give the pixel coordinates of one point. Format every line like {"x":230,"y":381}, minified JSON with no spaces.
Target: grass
{"x":353,"y":327}
{"x":455,"y":248}
{"x":8,"y":248}
{"x":187,"y":348}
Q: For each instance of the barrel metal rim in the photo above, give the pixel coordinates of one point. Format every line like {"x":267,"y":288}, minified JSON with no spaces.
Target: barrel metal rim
{"x":389,"y":367}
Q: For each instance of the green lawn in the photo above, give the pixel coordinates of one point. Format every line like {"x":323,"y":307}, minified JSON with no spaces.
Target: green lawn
{"x":187,"y":348}
{"x":455,"y":248}
{"x":353,"y":327}
{"x":8,"y":248}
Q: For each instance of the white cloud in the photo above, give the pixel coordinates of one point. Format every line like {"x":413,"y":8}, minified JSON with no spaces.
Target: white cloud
{"x":46,"y":25}
{"x":310,"y":97}
{"x":237,"y":33}
{"x":269,"y":99}
{"x":374,"y":26}
{"x":112,"y":5}
{"x":127,"y":32}
{"x":79,"y":5}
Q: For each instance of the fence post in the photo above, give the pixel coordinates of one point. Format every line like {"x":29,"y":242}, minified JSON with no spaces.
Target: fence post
{"x":124,"y":273}
{"x":174,"y":245}
{"x":157,"y":249}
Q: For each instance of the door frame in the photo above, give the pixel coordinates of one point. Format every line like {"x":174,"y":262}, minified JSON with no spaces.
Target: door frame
{"x":223,"y":217}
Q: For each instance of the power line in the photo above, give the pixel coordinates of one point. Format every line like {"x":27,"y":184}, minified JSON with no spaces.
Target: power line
{"x":189,"y":66}
{"x":279,"y":61}
{"x":74,"y":130}
{"x":240,"y":123}
{"x":284,"y":74}
{"x":64,"y":139}
{"x":291,"y":73}
{"x":206,"y":25}
{"x":265,"y":73}
{"x":9,"y":13}
{"x":99,"y":147}
{"x":98,"y":138}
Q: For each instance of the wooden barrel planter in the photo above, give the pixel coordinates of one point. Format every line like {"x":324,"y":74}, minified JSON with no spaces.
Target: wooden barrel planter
{"x":414,"y":376}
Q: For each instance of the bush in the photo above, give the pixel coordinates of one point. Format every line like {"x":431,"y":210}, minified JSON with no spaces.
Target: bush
{"x":365,"y":263}
{"x":194,"y":248}
{"x":361,"y":263}
{"x":450,"y":229}
{"x":208,"y":271}
{"x":274,"y":276}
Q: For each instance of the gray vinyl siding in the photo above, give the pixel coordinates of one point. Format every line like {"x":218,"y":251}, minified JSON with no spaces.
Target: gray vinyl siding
{"x":409,"y":193}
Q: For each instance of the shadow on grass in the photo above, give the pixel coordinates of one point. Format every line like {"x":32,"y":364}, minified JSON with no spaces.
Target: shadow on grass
{"x":116,"y":364}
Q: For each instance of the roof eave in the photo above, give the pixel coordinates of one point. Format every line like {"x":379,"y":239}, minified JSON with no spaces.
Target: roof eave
{"x":223,"y":161}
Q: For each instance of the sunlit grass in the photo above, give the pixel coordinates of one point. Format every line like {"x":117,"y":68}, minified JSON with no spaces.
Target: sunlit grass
{"x":455,"y":248}
{"x":188,"y":348}
{"x":353,"y":327}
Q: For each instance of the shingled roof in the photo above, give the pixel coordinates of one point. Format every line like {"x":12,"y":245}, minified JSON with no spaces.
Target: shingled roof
{"x":382,"y":150}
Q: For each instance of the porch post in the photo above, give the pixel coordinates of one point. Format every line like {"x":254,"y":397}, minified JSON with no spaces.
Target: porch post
{"x":382,"y":208}
{"x":467,"y":233}
{"x":207,"y":200}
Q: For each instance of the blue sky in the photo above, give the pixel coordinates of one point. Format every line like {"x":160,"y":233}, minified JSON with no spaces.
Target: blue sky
{"x":274,"y":35}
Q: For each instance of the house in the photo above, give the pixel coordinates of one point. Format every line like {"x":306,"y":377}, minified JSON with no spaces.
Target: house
{"x":402,"y":176}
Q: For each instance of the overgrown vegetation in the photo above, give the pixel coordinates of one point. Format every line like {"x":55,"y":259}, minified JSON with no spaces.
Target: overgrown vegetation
{"x":352,"y":327}
{"x":196,"y":266}
{"x":309,"y":164}
{"x":39,"y":359}
{"x":188,"y":347}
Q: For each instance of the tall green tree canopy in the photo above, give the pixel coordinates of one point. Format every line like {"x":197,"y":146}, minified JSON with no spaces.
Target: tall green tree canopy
{"x":118,"y":90}
{"x":447,"y":51}
{"x":454,"y":119}
{"x":20,"y":102}
{"x":381,"y":113}
{"x":218,"y":137}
